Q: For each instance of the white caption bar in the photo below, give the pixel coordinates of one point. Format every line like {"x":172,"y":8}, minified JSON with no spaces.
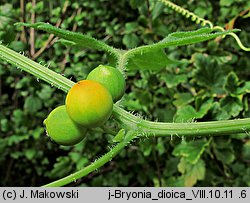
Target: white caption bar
{"x":125,"y":194}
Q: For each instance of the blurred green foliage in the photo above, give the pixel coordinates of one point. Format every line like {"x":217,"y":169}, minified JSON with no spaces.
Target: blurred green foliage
{"x":210,"y":82}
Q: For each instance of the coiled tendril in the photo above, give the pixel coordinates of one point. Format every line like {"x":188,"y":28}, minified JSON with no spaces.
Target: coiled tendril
{"x":201,"y":21}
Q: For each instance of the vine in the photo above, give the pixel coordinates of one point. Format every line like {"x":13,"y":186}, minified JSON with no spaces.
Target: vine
{"x":134,"y":126}
{"x":188,"y":14}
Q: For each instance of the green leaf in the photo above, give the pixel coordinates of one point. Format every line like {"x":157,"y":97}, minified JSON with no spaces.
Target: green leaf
{"x":209,"y":73}
{"x":157,"y":10}
{"x":224,"y":150}
{"x":246,"y":151}
{"x":4,"y":125}
{"x":119,"y":136}
{"x":192,"y":151}
{"x":191,"y":172}
{"x":30,"y":153}
{"x":146,"y":147}
{"x":61,"y":168}
{"x":130,"y":40}
{"x":232,"y":83}
{"x":131,"y":27}
{"x":188,"y":113}
{"x":232,"y":105}
{"x":226,"y":2}
{"x":66,"y":42}
{"x":245,"y":88}
{"x":189,"y":37}
{"x":32,"y":104}
{"x":182,"y":99}
{"x":152,"y":60}
{"x":160,"y":147}
{"x":225,"y":155}
{"x":180,"y":39}
{"x":79,"y":39}
{"x":191,"y":33}
{"x":18,"y":46}
{"x":218,"y":113}
{"x":185,"y":114}
{"x":172,"y":80}
{"x":18,"y":116}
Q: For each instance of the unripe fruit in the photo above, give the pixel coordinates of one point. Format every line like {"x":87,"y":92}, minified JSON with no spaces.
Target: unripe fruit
{"x":89,"y":103}
{"x":111,"y":78}
{"x":61,"y":129}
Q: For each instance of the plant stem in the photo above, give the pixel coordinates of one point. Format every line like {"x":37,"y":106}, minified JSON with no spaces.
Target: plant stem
{"x":122,"y":60}
{"x":35,"y":69}
{"x":181,"y":129}
{"x":132,"y":123}
{"x":128,"y":120}
{"x":95,"y":165}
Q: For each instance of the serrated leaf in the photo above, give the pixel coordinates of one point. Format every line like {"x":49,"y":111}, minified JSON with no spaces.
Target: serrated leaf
{"x":196,"y":173}
{"x":178,"y":39}
{"x":182,"y":99}
{"x":192,"y":151}
{"x":191,"y":33}
{"x":218,"y":113}
{"x":172,"y":80}
{"x":191,"y":172}
{"x":245,"y":88}
{"x":232,"y":83}
{"x":190,"y":37}
{"x":188,"y":113}
{"x":209,"y":73}
{"x":78,"y":38}
{"x":232,"y":105}
{"x":185,"y":114}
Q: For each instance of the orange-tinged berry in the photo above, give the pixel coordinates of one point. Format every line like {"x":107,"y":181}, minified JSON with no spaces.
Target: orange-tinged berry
{"x":89,"y":103}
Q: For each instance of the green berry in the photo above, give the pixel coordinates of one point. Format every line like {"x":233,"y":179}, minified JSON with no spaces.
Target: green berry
{"x":61,"y":129}
{"x":111,"y":78}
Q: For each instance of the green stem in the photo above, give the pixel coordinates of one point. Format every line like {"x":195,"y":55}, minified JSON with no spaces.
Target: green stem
{"x":130,"y":121}
{"x":122,"y":61}
{"x":239,"y":42}
{"x":35,"y":69}
{"x":95,"y":165}
{"x":150,"y":128}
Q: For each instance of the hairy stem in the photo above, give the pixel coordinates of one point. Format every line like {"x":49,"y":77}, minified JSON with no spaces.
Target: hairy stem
{"x":95,"y":165}
{"x":132,"y":123}
{"x":212,"y":128}
{"x":128,"y":120}
{"x":35,"y":69}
